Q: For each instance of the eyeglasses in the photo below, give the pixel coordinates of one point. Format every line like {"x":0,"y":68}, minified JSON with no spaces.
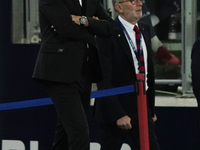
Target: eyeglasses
{"x":134,"y":2}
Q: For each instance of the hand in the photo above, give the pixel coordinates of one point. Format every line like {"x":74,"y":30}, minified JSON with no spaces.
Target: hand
{"x":124,"y":123}
{"x":154,"y":118}
{"x":76,"y":19}
{"x":94,"y":17}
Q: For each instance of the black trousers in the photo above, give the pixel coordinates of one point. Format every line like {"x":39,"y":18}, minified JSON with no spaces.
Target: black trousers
{"x":71,"y":102}
{"x":112,"y":137}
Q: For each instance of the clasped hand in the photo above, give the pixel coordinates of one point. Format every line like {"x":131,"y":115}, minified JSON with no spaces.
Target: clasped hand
{"x":76,"y":19}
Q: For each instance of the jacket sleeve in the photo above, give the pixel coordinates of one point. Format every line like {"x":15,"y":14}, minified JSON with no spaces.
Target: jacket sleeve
{"x":57,"y":14}
{"x":151,"y":74}
{"x":102,"y":27}
{"x":111,"y":105}
{"x":195,"y":56}
{"x":151,"y":83}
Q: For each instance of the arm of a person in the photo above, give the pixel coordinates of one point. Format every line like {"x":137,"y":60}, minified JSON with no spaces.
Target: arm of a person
{"x":103,"y":26}
{"x":195,"y":56}
{"x":56,"y":12}
{"x":151,"y":75}
{"x":124,"y":123}
{"x":111,"y":103}
{"x":100,"y":24}
{"x":151,"y":95}
{"x":154,"y":118}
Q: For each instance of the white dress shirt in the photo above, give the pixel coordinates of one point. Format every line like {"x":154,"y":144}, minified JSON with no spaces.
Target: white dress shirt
{"x":80,"y":1}
{"x":129,"y":28}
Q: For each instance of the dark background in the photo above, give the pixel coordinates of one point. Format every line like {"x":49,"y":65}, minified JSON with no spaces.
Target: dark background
{"x":175,"y":128}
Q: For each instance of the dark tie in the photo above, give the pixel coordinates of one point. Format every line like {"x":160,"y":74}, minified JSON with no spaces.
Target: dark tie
{"x":83,"y":7}
{"x":139,"y":54}
{"x":78,"y":6}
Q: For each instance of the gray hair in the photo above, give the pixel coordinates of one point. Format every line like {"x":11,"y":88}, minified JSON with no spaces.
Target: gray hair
{"x":115,"y":1}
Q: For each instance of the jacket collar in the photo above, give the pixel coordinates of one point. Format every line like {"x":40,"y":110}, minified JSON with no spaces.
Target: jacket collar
{"x":119,"y":34}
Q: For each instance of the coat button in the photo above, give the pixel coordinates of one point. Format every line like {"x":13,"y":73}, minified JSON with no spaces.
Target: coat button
{"x":60,"y":50}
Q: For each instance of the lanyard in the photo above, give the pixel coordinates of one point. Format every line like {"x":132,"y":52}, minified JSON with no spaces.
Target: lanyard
{"x":137,"y":53}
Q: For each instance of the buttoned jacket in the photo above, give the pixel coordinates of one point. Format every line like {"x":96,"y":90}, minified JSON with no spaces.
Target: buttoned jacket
{"x":118,"y":70}
{"x":60,"y":57}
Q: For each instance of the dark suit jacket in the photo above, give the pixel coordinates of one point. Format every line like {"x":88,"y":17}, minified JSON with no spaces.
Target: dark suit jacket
{"x":118,"y":70}
{"x":61,"y":53}
{"x":195,"y":56}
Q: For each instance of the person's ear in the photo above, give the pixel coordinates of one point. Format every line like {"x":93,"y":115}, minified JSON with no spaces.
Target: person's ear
{"x":118,"y":7}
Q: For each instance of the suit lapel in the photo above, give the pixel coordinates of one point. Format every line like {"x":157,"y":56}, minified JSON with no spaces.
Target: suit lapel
{"x":78,"y":6}
{"x":123,"y":41}
{"x":142,"y":30}
{"x":145,"y":36}
{"x":84,"y":7}
{"x":90,"y":7}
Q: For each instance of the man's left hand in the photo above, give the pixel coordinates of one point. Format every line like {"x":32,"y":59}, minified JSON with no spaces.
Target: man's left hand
{"x":154,"y":118}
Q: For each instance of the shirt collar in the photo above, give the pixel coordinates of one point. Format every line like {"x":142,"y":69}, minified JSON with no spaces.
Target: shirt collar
{"x":80,"y":1}
{"x":129,"y":27}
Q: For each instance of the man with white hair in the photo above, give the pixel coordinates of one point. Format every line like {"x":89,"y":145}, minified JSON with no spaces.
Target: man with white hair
{"x":125,"y":54}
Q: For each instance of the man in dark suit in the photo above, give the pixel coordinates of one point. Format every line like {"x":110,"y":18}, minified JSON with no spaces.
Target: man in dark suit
{"x":195,"y":56}
{"x":117,"y":115}
{"x":68,"y":63}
